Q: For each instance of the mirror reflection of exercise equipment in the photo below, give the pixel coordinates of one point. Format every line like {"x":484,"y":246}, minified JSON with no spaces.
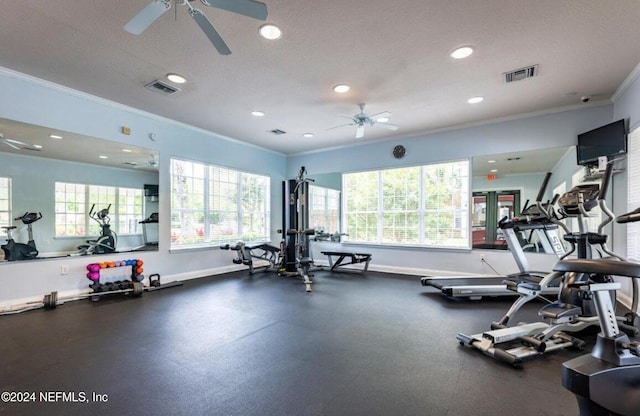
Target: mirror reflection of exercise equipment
{"x":487,"y":210}
{"x":149,"y":233}
{"x":21,"y":251}
{"x":107,"y":240}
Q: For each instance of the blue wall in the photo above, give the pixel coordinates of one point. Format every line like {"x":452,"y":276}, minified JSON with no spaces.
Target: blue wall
{"x":38,"y":102}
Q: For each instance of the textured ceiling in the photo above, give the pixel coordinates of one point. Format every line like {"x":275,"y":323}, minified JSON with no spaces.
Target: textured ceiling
{"x":394,"y":54}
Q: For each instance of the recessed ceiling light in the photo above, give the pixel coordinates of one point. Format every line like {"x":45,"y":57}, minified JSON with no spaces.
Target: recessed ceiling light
{"x":462,"y":52}
{"x":307,"y":135}
{"x":491,"y":161}
{"x":55,"y":136}
{"x":177,"y":78}
{"x":37,"y":146}
{"x":341,"y":88}
{"x":494,"y":170}
{"x":383,"y":119}
{"x":103,"y":157}
{"x":475,"y":100}
{"x":270,"y":31}
{"x":257,"y":113}
{"x":127,"y":150}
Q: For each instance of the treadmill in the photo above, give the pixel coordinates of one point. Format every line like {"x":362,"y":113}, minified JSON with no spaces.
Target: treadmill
{"x":532,"y":218}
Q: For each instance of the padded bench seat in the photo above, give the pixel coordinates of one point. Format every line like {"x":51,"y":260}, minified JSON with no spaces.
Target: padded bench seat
{"x":353,"y":258}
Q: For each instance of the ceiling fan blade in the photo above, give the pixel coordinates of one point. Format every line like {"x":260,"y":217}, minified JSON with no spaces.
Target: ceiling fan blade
{"x":342,"y":125}
{"x":14,"y":141}
{"x":208,"y":29}
{"x":386,"y":126}
{"x":380,"y":115}
{"x":345,"y":116}
{"x":147,"y":16}
{"x":11,"y":145}
{"x":250,"y":8}
{"x":360,"y":132}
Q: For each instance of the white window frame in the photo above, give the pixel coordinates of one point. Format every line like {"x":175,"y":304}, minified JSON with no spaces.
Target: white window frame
{"x":98,"y":197}
{"x":324,"y":209}
{"x":200,"y":216}
{"x":459,"y":230}
{"x":6,"y":219}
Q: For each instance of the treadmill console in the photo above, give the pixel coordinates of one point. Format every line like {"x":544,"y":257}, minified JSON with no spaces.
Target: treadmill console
{"x":570,"y":200}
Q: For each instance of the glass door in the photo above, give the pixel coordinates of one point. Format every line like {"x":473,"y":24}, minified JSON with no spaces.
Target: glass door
{"x":488,"y":209}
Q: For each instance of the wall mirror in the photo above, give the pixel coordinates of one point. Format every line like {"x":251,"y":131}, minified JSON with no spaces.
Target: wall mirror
{"x":62,"y":175}
{"x":325,"y":206}
{"x":503,"y":184}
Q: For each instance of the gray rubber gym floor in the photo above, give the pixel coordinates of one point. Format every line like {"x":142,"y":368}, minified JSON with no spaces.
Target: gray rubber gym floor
{"x":239,"y":345}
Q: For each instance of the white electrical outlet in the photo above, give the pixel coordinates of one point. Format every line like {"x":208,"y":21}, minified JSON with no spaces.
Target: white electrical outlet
{"x":482,"y":258}
{"x":64,"y":269}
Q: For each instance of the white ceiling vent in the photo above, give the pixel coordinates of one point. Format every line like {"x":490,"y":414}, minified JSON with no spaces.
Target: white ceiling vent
{"x":162,"y":87}
{"x":520,"y":74}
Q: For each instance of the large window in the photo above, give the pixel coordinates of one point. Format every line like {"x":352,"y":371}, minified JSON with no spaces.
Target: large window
{"x":5,"y":202}
{"x":213,"y":205}
{"x":421,"y":205}
{"x":74,"y":202}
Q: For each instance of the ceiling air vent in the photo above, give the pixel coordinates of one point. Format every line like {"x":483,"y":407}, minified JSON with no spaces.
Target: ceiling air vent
{"x":162,"y":87}
{"x":520,"y":74}
{"x":277,"y":132}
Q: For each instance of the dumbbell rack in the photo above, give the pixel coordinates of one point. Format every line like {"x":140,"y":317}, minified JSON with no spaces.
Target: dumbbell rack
{"x":94,"y":269}
{"x":134,"y":287}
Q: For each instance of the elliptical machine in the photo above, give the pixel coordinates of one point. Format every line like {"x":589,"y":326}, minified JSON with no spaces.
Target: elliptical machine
{"x":107,"y":241}
{"x":20,"y":251}
{"x":575,"y":308}
{"x":606,"y":381}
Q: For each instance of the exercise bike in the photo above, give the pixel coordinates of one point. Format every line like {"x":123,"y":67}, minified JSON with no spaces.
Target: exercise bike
{"x":107,"y":240}
{"x":606,"y":382}
{"x":20,"y":251}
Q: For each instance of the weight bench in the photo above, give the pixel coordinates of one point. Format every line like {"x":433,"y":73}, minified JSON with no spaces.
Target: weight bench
{"x":356,"y":258}
{"x":261,"y":251}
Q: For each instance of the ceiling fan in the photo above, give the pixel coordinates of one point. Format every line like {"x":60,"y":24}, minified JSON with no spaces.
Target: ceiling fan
{"x":152,"y":163}
{"x":362,"y":119}
{"x":152,"y":11}
{"x":17,"y":144}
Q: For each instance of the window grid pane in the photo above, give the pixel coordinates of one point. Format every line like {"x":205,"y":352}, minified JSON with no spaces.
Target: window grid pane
{"x":214,"y":205}
{"x":361,"y":191}
{"x":324,"y":212}
{"x":5,"y":202}
{"x":70,"y":209}
{"x":130,"y":210}
{"x":187,"y":203}
{"x":74,"y":201}
{"x":424,"y":205}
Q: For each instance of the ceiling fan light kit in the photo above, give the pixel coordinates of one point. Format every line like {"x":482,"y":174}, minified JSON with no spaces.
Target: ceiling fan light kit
{"x":152,"y":11}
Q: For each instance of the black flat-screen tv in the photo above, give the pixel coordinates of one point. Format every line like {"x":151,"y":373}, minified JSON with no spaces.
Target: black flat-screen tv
{"x":608,"y":140}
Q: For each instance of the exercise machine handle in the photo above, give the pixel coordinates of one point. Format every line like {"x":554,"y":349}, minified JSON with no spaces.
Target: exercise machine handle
{"x":606,"y":180}
{"x":543,"y":187}
{"x":632,"y":216}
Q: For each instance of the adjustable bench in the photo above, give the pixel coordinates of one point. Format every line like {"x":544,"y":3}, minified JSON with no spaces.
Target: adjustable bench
{"x":261,"y":251}
{"x":338,"y":266}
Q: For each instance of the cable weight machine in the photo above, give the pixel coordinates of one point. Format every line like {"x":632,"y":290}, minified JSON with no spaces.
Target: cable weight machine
{"x":297,"y":260}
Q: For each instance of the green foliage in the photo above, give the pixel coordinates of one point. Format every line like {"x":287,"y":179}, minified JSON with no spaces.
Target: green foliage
{"x":432,"y":198}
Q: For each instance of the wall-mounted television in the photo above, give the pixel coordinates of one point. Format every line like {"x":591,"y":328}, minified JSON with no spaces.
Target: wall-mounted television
{"x":608,"y":140}
{"x":150,"y":190}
